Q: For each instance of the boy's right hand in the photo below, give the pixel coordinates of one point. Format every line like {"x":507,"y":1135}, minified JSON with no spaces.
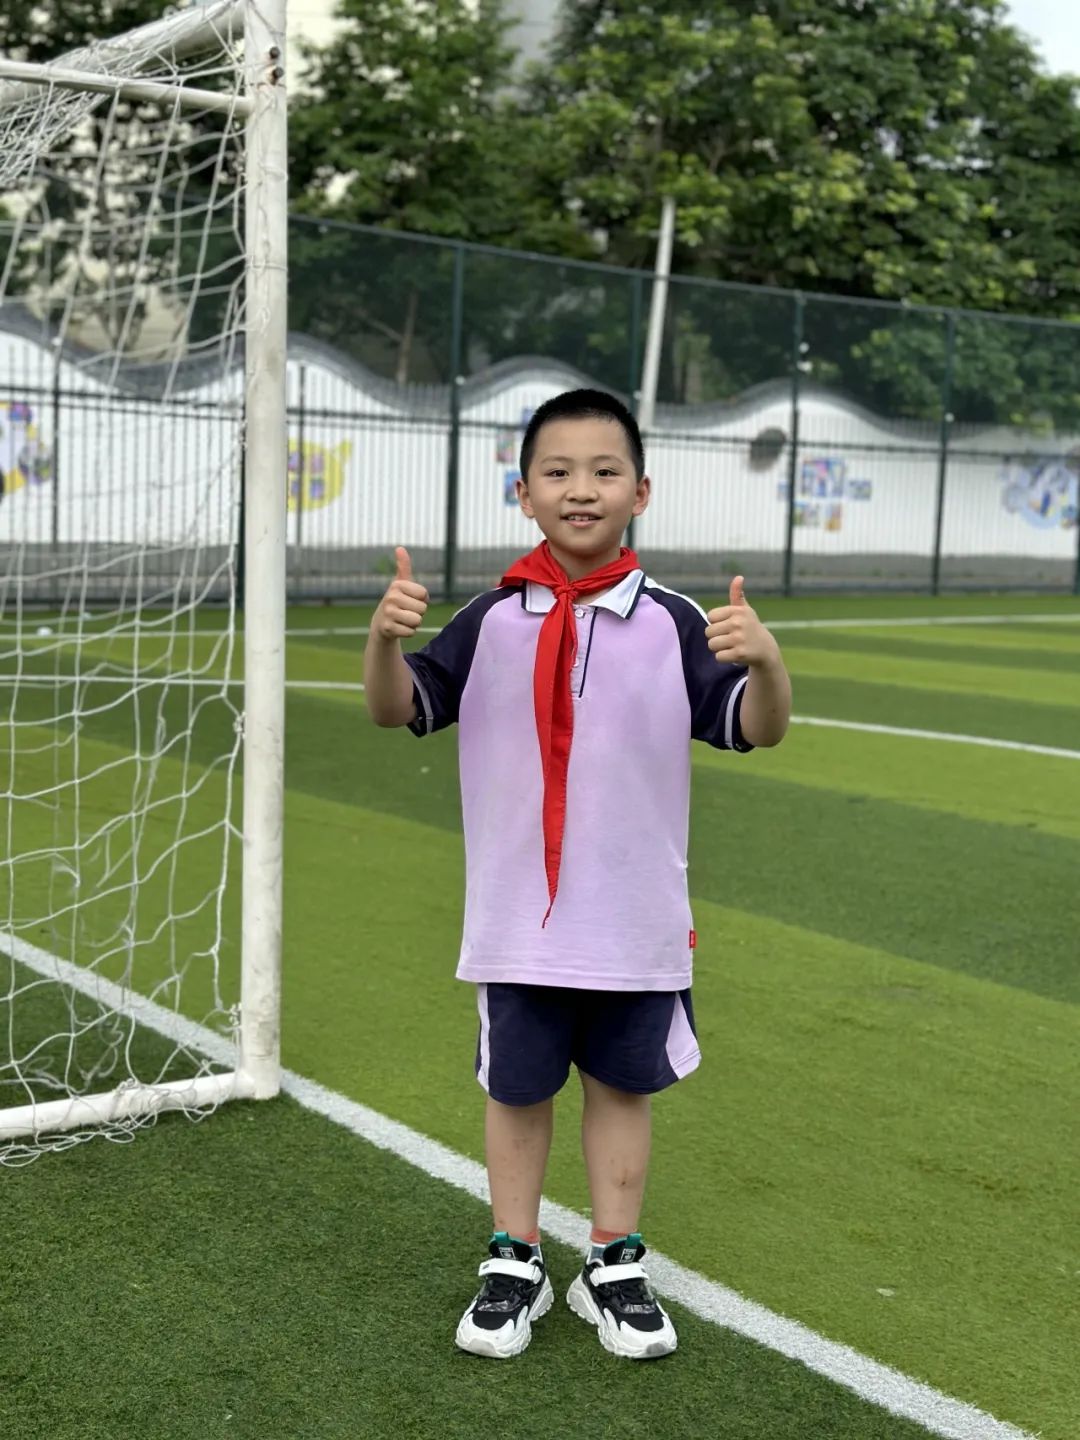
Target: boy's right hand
{"x":401,"y":611}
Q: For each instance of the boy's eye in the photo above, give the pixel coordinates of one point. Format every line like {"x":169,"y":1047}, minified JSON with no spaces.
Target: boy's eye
{"x":557,"y":474}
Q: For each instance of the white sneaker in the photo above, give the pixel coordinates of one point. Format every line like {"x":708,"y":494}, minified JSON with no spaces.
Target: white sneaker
{"x":516,"y":1291}
{"x":614,"y":1294}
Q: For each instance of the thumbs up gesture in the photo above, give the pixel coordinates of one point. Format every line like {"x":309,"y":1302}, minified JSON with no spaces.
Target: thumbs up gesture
{"x":735,"y":634}
{"x":401,"y":611}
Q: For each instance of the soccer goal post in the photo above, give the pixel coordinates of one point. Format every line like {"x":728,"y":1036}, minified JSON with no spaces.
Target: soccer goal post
{"x":143,"y":238}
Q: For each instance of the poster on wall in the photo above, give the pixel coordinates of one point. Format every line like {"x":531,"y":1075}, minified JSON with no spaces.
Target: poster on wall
{"x":507,"y":454}
{"x":320,"y":478}
{"x":25,"y":459}
{"x":1043,"y":490}
{"x":823,"y":486}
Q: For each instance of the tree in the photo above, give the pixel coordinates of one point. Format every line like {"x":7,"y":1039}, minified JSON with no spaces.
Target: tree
{"x":902,"y":149}
{"x":409,"y":124}
{"x":405,"y":121}
{"x":890,"y":148}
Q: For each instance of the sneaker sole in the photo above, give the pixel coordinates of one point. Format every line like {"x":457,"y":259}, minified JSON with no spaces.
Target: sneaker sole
{"x":485,"y":1342}
{"x":583,"y":1305}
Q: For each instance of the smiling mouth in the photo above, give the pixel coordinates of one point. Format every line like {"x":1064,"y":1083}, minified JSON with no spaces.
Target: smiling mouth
{"x":581,"y":519}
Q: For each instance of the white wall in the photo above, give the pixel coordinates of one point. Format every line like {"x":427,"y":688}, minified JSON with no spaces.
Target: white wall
{"x":147,"y":473}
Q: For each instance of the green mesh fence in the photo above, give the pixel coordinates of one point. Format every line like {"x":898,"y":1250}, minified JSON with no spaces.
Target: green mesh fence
{"x":811,"y":442}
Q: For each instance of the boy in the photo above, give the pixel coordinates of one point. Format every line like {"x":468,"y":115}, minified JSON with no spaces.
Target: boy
{"x":578,"y":685}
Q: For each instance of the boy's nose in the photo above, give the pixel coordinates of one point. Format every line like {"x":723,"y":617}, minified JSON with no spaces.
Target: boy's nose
{"x":582,"y":488}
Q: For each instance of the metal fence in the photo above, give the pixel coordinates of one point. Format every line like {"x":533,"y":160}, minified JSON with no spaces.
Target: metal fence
{"x":809,"y":441}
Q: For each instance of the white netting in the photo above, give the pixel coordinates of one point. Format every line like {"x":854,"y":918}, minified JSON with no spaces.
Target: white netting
{"x":121,"y":400}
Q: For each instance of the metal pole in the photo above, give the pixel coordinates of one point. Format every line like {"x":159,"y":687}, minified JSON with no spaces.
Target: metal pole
{"x":798,"y":346}
{"x":266,"y":469}
{"x":634,"y":352}
{"x":453,"y":463}
{"x":657,"y":313}
{"x":301,"y":469}
{"x":56,"y":400}
{"x":943,"y":448}
{"x":240,"y":549}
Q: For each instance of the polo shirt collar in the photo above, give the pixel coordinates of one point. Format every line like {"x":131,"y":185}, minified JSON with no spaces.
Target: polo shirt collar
{"x":620,"y":599}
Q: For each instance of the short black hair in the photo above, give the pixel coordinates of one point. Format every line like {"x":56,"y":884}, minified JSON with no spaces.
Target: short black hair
{"x":582,"y":405}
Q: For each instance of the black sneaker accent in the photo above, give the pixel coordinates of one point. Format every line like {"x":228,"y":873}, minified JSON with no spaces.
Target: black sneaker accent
{"x":629,"y":1302}
{"x":503,"y":1297}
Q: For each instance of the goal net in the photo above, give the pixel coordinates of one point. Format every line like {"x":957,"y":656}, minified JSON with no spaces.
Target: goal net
{"x":141,"y":424}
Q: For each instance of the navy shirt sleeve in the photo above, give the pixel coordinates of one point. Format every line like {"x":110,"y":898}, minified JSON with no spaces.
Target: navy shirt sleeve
{"x":715,"y":691}
{"x":442,"y":667}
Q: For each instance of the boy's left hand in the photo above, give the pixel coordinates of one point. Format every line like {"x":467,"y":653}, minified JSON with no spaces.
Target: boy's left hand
{"x":735,"y":634}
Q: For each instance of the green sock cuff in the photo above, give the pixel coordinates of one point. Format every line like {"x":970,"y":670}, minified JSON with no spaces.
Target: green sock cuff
{"x":503,"y":1237}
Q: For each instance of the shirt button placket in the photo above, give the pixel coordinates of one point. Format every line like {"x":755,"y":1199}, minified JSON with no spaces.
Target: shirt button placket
{"x":583,"y":641}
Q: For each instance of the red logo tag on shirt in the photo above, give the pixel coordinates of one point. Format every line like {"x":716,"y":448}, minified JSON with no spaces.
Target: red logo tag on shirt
{"x":693,"y":939}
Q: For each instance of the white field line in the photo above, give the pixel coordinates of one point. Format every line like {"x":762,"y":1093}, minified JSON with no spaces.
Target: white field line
{"x":872,"y":1381}
{"x":892,"y":623}
{"x":889,"y":622}
{"x":956,"y":739}
{"x":1042,"y":619}
{"x":356,"y":687}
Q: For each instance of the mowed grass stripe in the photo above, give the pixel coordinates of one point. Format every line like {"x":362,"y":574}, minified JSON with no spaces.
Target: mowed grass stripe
{"x":1033,"y":792}
{"x":1059,"y":640}
{"x":866,"y":701}
{"x":989,"y":898}
{"x":992,"y":900}
{"x":1014,"y":658}
{"x":1044,"y":686}
{"x":953,"y":712}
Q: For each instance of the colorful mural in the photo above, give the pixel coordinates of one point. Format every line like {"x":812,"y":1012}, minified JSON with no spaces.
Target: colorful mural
{"x":1043,"y":490}
{"x":25,"y":459}
{"x":824,"y":485}
{"x":323,"y":473}
{"x":507,"y":453}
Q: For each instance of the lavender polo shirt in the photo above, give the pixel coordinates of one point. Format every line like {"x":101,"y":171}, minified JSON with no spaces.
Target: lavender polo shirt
{"x":645,"y":684}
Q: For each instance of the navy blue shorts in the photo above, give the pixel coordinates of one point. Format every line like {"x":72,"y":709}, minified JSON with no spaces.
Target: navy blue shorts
{"x":530,"y":1035}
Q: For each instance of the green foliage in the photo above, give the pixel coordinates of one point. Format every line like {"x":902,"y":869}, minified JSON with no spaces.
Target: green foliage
{"x":907,"y":150}
{"x":35,"y":32}
{"x":902,"y":149}
{"x":405,"y":122}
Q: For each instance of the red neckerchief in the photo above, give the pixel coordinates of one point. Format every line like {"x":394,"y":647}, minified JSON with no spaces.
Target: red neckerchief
{"x":556,"y":649}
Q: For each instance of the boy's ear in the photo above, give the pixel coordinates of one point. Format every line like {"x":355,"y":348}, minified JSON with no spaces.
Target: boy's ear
{"x":523,"y":499}
{"x":641,"y":498}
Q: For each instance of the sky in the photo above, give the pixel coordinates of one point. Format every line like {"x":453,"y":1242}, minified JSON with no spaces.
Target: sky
{"x":1053,"y":25}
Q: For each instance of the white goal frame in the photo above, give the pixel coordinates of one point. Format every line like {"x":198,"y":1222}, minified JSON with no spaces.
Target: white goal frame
{"x":257,"y":1060}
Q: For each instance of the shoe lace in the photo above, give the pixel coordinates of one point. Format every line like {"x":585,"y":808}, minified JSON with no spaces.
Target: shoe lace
{"x":502,"y":1292}
{"x":633,"y":1294}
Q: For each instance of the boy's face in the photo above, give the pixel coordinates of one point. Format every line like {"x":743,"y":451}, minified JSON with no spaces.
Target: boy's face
{"x":581,"y":490}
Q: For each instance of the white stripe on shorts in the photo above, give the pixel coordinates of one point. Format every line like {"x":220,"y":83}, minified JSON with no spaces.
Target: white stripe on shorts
{"x":485,"y":1035}
{"x":682,"y":1047}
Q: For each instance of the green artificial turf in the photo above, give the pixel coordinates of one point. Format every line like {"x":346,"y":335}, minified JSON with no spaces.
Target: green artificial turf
{"x":879,"y":1142}
{"x":266,"y":1276}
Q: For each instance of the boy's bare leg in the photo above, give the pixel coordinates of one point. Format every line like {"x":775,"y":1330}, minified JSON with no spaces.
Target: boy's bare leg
{"x":616,"y":1135}
{"x":518,"y":1138}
